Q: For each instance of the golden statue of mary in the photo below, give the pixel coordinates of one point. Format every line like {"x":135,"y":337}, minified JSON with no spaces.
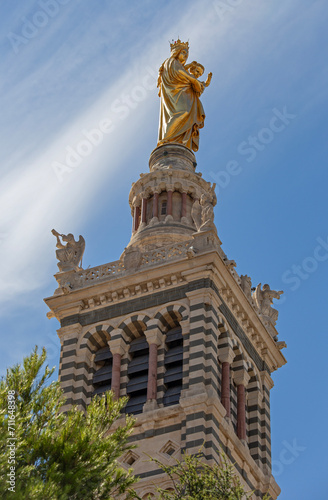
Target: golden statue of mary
{"x":181,"y":112}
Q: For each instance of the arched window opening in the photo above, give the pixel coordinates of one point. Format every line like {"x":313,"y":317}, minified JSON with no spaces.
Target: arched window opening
{"x":102,"y":378}
{"x":173,"y":361}
{"x":163,"y":207}
{"x":138,"y":375}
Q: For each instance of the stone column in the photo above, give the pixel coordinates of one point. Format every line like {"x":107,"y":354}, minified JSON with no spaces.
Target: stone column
{"x":117,"y":348}
{"x":155,"y":205}
{"x":169,"y":202}
{"x":152,"y":372}
{"x":241,"y":379}
{"x":241,"y":412}
{"x":136,"y":218}
{"x":184,"y":204}
{"x":144,"y":210}
{"x":226,"y":356}
{"x":116,"y":374}
{"x":155,"y":339}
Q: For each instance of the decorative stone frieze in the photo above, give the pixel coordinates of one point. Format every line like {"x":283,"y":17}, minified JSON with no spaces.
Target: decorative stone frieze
{"x":132,"y":291}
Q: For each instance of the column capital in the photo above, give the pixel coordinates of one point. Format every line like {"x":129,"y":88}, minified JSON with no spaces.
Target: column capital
{"x":226,"y":355}
{"x":116,"y":332}
{"x":154,"y":336}
{"x":185,"y":326}
{"x":205,"y":296}
{"x":118,"y":346}
{"x":69,"y":332}
{"x":254,"y":398}
{"x":267,"y":380}
{"x":240,"y":377}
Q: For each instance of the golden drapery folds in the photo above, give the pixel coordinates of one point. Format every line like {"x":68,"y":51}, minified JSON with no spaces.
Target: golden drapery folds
{"x":181,"y":112}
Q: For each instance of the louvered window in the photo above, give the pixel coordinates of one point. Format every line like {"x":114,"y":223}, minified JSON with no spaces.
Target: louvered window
{"x":102,"y":378}
{"x":138,"y":375}
{"x":173,"y":366}
{"x":163,"y":208}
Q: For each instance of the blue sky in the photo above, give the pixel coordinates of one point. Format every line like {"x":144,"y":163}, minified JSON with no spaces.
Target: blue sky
{"x":68,"y":66}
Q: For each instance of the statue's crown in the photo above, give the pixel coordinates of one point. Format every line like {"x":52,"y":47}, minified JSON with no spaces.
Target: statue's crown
{"x":179,"y":45}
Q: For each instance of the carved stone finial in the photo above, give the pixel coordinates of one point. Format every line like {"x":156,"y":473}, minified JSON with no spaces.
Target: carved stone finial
{"x":69,"y":255}
{"x":132,"y":258}
{"x":263,"y":299}
{"x":196,"y":214}
{"x":202,"y":213}
{"x":191,"y":252}
{"x":246,"y":286}
{"x":231,"y":264}
{"x":207,"y":213}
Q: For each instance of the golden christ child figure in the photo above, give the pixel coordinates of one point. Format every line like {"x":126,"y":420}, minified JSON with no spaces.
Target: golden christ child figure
{"x":197,"y":70}
{"x":181,"y":112}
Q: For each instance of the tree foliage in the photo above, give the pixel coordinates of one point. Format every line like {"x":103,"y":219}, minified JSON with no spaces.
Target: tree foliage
{"x":58,"y":455}
{"x":193,"y":479}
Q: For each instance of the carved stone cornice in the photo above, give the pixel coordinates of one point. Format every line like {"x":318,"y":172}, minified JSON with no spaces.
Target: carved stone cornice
{"x":131,"y":291}
{"x":168,"y":267}
{"x":170,"y":180}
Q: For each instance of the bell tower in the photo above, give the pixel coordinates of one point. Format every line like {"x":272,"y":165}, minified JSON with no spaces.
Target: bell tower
{"x":171,"y":324}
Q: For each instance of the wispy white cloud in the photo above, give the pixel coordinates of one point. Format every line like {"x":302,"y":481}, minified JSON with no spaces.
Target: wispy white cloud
{"x":33,"y":199}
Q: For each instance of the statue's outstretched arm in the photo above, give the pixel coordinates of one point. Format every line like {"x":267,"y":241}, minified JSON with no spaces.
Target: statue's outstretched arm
{"x":59,"y":243}
{"x":275,"y":295}
{"x":208,"y":80}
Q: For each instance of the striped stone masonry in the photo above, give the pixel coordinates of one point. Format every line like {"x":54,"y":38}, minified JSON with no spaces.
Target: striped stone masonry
{"x":225,"y":381}
{"x":74,"y":369}
{"x":173,"y":326}
{"x":267,"y":385}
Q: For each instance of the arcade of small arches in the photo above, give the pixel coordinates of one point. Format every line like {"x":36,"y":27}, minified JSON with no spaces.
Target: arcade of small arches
{"x":144,"y":357}
{"x":157,"y":203}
